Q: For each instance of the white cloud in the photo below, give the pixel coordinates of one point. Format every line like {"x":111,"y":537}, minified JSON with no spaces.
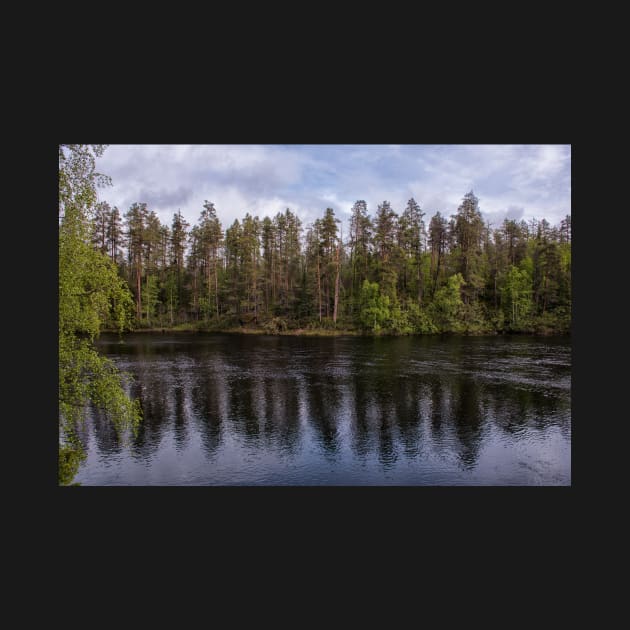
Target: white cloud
{"x":529,"y":180}
{"x":237,"y":178}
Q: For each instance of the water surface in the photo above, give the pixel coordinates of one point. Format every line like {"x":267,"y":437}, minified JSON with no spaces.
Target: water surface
{"x":249,"y":410}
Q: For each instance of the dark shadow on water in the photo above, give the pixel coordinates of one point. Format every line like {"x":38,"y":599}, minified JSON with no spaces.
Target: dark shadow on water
{"x":322,"y":404}
{"x":280,"y":401}
{"x":205,"y":395}
{"x":467,"y":419}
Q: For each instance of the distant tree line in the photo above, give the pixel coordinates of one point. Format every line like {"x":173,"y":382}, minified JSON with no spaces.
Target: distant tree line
{"x":392,"y":273}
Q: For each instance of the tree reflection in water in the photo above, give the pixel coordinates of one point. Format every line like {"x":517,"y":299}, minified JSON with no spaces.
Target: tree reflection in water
{"x":366,"y":400}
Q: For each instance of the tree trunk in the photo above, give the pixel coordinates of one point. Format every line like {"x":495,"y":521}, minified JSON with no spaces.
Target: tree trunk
{"x":139,"y":289}
{"x":216,"y":286}
{"x":148,"y":301}
{"x":273,"y":277}
{"x":286,"y":280}
{"x":209,"y":285}
{"x":194,"y":292}
{"x":171,"y":293}
{"x":437,"y":272}
{"x":319,"y":289}
{"x":254,"y":288}
{"x":354,"y":280}
{"x":419,"y":261}
{"x":336,"y":290}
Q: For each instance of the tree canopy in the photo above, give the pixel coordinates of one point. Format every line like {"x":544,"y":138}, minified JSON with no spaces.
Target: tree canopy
{"x":91,"y":294}
{"x":276,"y":273}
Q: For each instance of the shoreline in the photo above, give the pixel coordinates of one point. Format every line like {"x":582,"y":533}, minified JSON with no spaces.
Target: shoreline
{"x":305,"y":332}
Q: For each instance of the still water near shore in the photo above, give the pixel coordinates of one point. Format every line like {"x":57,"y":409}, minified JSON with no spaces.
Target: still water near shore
{"x":262,"y":410}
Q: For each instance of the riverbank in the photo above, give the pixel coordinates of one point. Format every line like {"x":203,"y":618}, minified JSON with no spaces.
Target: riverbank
{"x":298,"y":332}
{"x":330,"y":332}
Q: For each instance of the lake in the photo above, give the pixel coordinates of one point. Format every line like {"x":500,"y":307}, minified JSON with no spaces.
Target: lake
{"x":223,"y":409}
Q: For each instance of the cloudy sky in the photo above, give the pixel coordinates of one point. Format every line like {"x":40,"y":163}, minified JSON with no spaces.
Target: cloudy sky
{"x":514,"y":181}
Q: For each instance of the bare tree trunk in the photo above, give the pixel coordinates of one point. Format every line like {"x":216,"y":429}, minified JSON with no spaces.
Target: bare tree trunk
{"x":419,"y":262}
{"x":171,"y":292}
{"x":216,"y":286}
{"x":209,"y":288}
{"x":273,"y":277}
{"x":336,"y":289}
{"x":254,"y":287}
{"x":286,"y":277}
{"x":216,"y":281}
{"x":267,"y":281}
{"x":437,"y":271}
{"x":354,"y":279}
{"x":319,"y":289}
{"x":194,"y":288}
{"x":139,"y":289}
{"x":148,"y":301}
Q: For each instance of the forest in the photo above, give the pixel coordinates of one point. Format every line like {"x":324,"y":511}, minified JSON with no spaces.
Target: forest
{"x":392,"y":274}
{"x":396,"y":272}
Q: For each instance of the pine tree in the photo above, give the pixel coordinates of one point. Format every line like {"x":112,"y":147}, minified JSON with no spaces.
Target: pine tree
{"x":233,"y":263}
{"x":211,"y":237}
{"x":467,"y":231}
{"x":385,"y":227}
{"x":250,"y":244}
{"x":136,"y":218}
{"x":360,"y":246}
{"x":264,"y":271}
{"x":438,"y":241}
{"x":179,"y":237}
{"x":328,"y":235}
{"x":115,"y":236}
{"x":411,"y":236}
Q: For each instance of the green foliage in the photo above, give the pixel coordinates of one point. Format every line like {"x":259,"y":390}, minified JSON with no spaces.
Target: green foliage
{"x":150,"y":293}
{"x":399,"y":322}
{"x":475,"y":319}
{"x":419,"y":319}
{"x":86,"y":377}
{"x":554,"y":322}
{"x":205,"y":306}
{"x":69,"y":461}
{"x":275,"y":325}
{"x":375,"y":311}
{"x":514,"y":277}
{"x":90,"y":294}
{"x":90,"y":290}
{"x":171,"y":295}
{"x":517,"y":295}
{"x":467,"y":233}
{"x":78,"y":178}
{"x":447,"y":306}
